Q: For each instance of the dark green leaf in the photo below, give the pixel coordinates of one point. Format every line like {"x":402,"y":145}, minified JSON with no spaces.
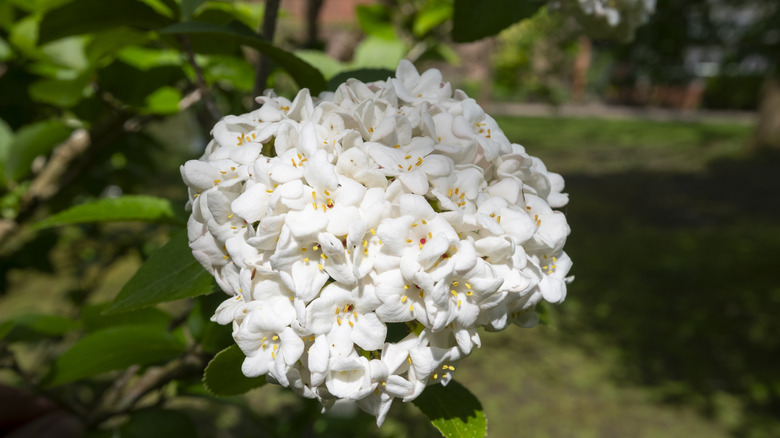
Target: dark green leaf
{"x":453,"y":410}
{"x":543,"y":313}
{"x":223,"y":374}
{"x":5,"y":328}
{"x":86,"y":16}
{"x":212,"y":336}
{"x":63,"y":93}
{"x":363,"y":75}
{"x":131,"y":84}
{"x":188,"y":8}
{"x":397,"y":331}
{"x":170,"y":273}
{"x":94,"y":320}
{"x":304,"y":74}
{"x":33,"y":140}
{"x":473,"y":20}
{"x":114,"y":348}
{"x":35,"y":327}
{"x":125,"y":208}
{"x":158,"y":423}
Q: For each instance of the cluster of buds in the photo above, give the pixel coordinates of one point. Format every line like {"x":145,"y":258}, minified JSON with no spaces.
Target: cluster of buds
{"x":365,"y":235}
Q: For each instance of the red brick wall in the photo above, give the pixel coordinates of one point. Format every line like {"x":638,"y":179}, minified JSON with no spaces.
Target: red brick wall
{"x":333,"y":11}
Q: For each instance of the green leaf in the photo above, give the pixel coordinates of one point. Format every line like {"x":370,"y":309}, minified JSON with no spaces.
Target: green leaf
{"x":158,"y":423}
{"x":6,"y":139}
{"x":63,"y":93}
{"x":35,"y":327}
{"x":213,"y":337}
{"x":375,"y":52}
{"x":188,"y":8}
{"x":325,"y":63}
{"x":374,"y":20}
{"x":33,"y":140}
{"x":432,"y":14}
{"x":164,"y":100}
{"x":93,"y":319}
{"x":170,"y":273}
{"x":223,"y":374}
{"x":86,"y":16}
{"x":144,"y":58}
{"x":107,"y":44}
{"x":124,"y":208}
{"x":543,"y":312}
{"x":114,"y":348}
{"x":473,"y":20}
{"x":453,"y":410}
{"x":6,"y":53}
{"x":304,"y":74}
{"x":5,"y":328}
{"x":362,"y":74}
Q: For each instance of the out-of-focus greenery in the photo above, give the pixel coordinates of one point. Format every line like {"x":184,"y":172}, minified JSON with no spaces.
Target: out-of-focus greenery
{"x":534,"y":59}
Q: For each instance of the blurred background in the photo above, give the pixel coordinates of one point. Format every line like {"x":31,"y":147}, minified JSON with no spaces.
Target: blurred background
{"x":668,"y":139}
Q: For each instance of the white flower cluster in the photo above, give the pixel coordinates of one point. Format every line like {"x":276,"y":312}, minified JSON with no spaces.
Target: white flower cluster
{"x":613,"y":18}
{"x":365,"y":235}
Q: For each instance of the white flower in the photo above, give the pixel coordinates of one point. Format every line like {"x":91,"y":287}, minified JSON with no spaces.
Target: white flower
{"x":396,"y":204}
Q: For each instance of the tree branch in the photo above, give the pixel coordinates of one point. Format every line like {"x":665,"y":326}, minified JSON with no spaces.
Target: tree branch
{"x":200,"y":82}
{"x":268,"y":30}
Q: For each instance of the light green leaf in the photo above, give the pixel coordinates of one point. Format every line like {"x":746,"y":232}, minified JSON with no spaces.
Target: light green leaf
{"x":374,"y":20}
{"x":34,"y":327}
{"x":63,"y":93}
{"x":24,"y":35}
{"x":326,"y":64}
{"x":231,"y":71}
{"x":6,"y":52}
{"x":125,"y":208}
{"x":432,"y":14}
{"x":114,"y":348}
{"x":85,"y":16}
{"x":106,"y":44}
{"x":170,"y":273}
{"x":362,"y":74}
{"x":453,"y":410}
{"x":93,"y":319}
{"x":374,"y":52}
{"x":145,"y":58}
{"x":33,"y":140}
{"x":223,"y":374}
{"x":67,"y":53}
{"x":6,"y":139}
{"x":164,"y":100}
{"x":304,"y":74}
{"x":473,"y":20}
{"x":158,"y":423}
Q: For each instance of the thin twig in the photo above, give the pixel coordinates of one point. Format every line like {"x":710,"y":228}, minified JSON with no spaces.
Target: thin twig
{"x":268,"y":30}
{"x":200,"y":82}
{"x":48,"y":181}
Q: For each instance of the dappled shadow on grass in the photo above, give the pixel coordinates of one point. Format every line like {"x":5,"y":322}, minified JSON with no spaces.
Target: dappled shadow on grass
{"x":679,"y":272}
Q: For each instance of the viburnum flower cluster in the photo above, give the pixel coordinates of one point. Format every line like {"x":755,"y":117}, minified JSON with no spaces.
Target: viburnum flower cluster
{"x":365,"y":235}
